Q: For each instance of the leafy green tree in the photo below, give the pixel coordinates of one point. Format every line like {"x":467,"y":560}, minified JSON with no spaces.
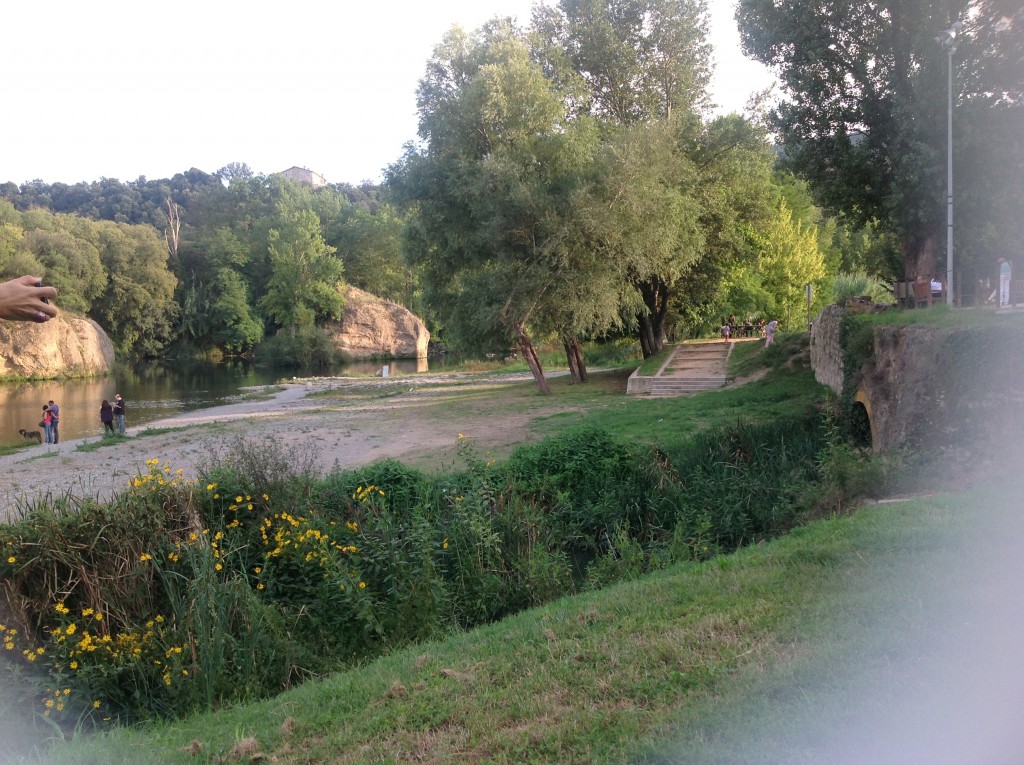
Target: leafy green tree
{"x":137,"y":307}
{"x":627,"y":61}
{"x":370,"y":245}
{"x":236,"y":328}
{"x":306,"y":277}
{"x":491,"y":195}
{"x":864,"y":118}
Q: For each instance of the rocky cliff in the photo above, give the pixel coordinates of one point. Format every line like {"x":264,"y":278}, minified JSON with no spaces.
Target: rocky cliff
{"x":378,"y":329}
{"x":67,"y":346}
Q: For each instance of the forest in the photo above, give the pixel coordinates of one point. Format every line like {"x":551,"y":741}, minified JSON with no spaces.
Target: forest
{"x":568,"y":184}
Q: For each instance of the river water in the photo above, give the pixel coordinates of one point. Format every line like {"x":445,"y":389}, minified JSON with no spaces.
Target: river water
{"x":152,"y":391}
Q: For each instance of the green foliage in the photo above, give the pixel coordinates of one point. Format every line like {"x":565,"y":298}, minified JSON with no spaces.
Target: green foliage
{"x":864,"y":120}
{"x":857,"y":284}
{"x":232,"y":587}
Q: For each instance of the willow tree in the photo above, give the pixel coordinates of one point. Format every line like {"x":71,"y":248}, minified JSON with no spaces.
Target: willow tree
{"x":641,"y":69}
{"x":490,"y":192}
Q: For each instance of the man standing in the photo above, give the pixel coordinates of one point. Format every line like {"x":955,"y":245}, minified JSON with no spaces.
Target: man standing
{"x":1004,"y":282}
{"x":54,"y":420}
{"x":119,"y":413}
{"x":769,"y":332}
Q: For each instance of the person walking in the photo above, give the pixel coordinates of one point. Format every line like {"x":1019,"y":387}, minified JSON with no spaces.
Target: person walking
{"x":54,"y":420}
{"x":107,"y":418}
{"x":1005,"y":271}
{"x":119,"y":413}
{"x":769,"y":332}
{"x":47,"y":423}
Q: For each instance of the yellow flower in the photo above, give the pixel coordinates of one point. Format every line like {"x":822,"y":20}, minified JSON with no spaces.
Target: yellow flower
{"x":260,"y":586}
{"x":60,"y":608}
{"x":266,"y":498}
{"x":145,"y":556}
{"x":73,"y":665}
{"x":96,"y":704}
{"x":257,"y":570}
{"x":11,"y":559}
{"x":445,"y":545}
{"x":218,"y":567}
{"x":238,"y":499}
{"x":362,"y":585}
{"x":72,"y":628}
{"x":211,"y":486}
{"x":99,"y":617}
{"x":87,"y":612}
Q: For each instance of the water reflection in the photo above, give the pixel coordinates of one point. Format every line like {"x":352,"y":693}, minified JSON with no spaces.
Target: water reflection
{"x":152,"y":391}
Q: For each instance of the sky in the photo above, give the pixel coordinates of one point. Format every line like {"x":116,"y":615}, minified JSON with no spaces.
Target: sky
{"x":123,"y":89}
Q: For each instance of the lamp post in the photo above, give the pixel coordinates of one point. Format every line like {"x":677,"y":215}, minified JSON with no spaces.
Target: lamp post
{"x":947,"y":39}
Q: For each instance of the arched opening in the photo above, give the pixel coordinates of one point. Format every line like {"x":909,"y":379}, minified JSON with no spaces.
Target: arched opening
{"x":862,"y":425}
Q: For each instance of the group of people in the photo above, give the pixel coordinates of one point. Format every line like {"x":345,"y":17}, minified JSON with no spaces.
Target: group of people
{"x":731,"y":329}
{"x":111,"y":413}
{"x":27,"y":299}
{"x":51,"y":422}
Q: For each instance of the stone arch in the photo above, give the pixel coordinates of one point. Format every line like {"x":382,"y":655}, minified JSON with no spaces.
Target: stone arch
{"x":861,"y":401}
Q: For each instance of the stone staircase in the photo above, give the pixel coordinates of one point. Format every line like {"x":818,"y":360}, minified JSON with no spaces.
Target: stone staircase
{"x":694,"y":367}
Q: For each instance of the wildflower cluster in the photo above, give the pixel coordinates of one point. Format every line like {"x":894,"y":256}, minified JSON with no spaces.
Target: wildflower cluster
{"x":301,"y":538}
{"x":156,"y":477}
{"x":107,"y":667}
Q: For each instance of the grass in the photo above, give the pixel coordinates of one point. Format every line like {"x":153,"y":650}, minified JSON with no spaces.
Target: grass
{"x":105,"y":440}
{"x":778,"y":653}
{"x":16,"y":448}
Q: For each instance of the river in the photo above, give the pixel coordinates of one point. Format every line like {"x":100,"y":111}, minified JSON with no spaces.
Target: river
{"x":153,"y":391}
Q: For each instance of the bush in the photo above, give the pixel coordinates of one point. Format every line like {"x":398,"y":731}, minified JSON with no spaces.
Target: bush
{"x":196,"y":595}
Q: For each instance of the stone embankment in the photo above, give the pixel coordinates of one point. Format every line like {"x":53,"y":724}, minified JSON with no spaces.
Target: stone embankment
{"x":928,"y":385}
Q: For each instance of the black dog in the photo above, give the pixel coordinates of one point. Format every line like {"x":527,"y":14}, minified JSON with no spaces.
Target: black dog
{"x":30,"y":434}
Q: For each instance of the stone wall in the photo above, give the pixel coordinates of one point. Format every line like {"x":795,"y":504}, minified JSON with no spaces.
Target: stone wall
{"x":931,"y":386}
{"x":66,"y":346}
{"x":826,"y":351}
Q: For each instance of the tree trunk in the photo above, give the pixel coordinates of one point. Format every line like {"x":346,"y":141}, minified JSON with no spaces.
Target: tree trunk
{"x":532,"y":360}
{"x":172,"y":232}
{"x":577,"y":365}
{"x":646,"y":336}
{"x":652,"y":325}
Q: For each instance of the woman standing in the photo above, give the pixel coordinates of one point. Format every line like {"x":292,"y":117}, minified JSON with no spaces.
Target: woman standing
{"x":47,"y":423}
{"x":107,"y":418}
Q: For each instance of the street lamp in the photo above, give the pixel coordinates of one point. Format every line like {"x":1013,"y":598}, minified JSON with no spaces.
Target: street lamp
{"x":947,"y":39}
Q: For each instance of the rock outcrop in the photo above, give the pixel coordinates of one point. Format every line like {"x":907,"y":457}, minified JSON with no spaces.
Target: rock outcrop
{"x":373,"y":328}
{"x":67,"y":346}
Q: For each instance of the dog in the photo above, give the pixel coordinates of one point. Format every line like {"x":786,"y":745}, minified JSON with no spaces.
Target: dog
{"x":30,"y":434}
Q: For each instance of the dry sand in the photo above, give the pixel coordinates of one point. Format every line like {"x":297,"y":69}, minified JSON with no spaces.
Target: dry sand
{"x":347,"y":423}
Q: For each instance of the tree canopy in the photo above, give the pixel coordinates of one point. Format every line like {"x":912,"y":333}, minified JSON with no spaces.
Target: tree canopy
{"x":863,"y":116}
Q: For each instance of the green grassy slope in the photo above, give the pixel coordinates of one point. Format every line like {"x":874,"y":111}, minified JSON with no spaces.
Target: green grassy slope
{"x":807,"y":649}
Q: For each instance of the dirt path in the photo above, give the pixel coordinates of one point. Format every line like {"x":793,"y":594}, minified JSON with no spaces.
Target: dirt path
{"x":335,"y":422}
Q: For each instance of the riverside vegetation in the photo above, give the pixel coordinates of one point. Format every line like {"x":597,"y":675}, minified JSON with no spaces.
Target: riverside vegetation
{"x":178,"y":597}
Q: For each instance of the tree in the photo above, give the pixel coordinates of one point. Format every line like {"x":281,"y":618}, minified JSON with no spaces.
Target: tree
{"x":864,"y":114}
{"x":490,"y":196}
{"x":137,"y":307}
{"x":306,"y":277}
{"x":627,"y":61}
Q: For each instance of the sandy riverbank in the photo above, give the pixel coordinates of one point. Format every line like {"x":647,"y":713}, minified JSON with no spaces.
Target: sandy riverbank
{"x":335,"y":422}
